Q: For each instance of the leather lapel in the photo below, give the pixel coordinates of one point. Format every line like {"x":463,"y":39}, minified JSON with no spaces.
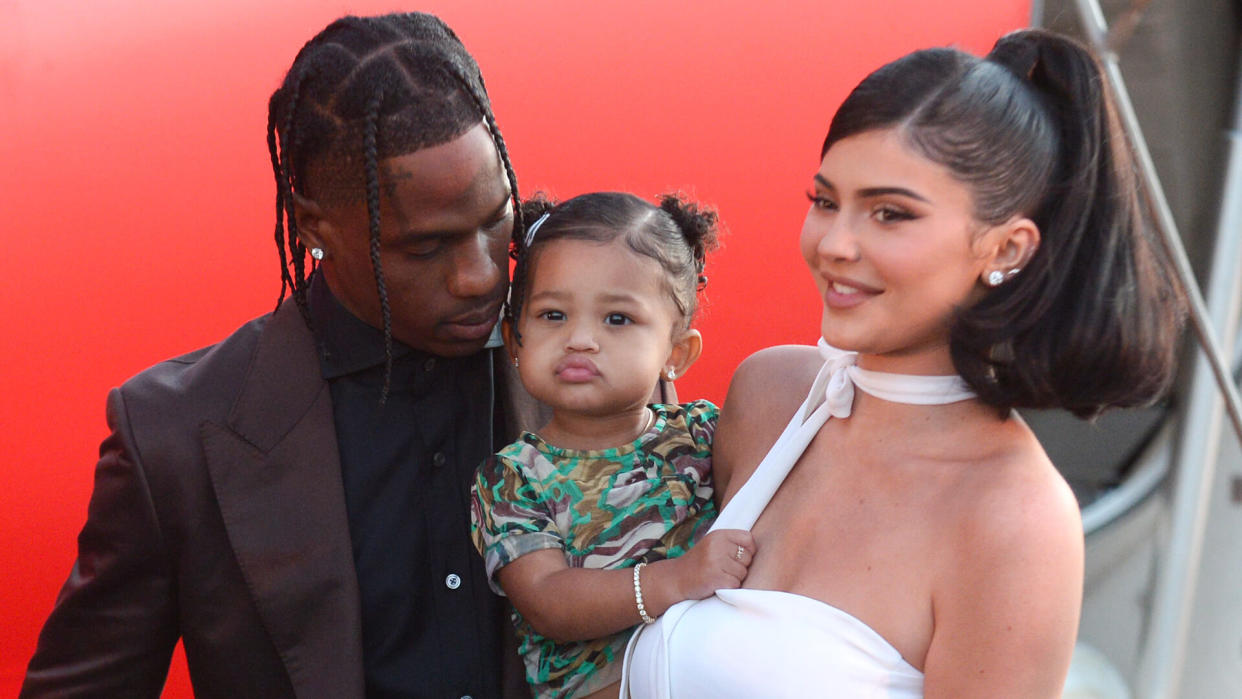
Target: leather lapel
{"x":276,"y":472}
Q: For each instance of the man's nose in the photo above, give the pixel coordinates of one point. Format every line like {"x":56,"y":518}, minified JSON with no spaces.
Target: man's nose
{"x":474,"y":272}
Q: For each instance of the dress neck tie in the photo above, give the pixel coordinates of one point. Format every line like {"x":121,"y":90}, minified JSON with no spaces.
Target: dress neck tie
{"x":831,"y":395}
{"x":841,"y":373}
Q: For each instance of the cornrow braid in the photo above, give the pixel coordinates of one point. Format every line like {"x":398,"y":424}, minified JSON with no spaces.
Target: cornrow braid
{"x":385,"y":86}
{"x":286,"y":280}
{"x":296,"y":250}
{"x":480,"y":100}
{"x":373,"y":216}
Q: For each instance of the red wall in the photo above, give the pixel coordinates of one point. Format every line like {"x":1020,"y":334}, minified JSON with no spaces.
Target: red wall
{"x":136,"y":195}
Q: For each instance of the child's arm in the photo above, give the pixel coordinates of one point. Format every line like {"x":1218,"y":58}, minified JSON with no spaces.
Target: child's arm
{"x":574,"y":604}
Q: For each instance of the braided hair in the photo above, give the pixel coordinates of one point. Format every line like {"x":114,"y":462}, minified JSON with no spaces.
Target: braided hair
{"x":362,"y":90}
{"x":677,"y":234}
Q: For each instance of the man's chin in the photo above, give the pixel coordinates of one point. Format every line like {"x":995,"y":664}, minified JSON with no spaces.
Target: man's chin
{"x":448,"y":346}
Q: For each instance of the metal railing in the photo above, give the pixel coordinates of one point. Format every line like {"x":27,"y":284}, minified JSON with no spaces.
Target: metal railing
{"x":1212,"y":380}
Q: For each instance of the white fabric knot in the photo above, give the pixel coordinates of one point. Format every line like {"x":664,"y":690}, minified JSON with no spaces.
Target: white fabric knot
{"x":841,"y":373}
{"x":839,"y":390}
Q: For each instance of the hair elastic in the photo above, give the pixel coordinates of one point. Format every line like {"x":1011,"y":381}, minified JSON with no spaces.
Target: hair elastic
{"x":530,"y":232}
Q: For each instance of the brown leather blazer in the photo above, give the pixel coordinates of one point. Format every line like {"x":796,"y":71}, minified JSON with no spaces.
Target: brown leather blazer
{"x":218,"y":517}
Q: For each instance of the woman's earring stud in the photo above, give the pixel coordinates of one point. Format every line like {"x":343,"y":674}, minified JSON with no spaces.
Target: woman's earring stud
{"x":317,"y":253}
{"x":671,"y":374}
{"x":515,"y":361}
{"x":995,"y":277}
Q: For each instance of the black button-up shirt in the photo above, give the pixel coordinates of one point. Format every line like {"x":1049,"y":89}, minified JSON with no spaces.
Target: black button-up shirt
{"x":430,"y":625}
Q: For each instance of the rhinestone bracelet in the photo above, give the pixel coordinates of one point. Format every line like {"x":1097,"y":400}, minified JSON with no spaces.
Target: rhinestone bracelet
{"x":638,"y":596}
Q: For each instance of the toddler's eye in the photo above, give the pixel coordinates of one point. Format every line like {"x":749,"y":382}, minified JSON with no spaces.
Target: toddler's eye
{"x":617,"y":319}
{"x":554,"y":316}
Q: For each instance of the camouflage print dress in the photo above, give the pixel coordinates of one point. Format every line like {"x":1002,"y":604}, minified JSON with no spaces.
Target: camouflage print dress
{"x":610,"y":508}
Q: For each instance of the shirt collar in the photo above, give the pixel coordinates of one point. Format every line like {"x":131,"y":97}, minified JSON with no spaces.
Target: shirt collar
{"x":346,"y":343}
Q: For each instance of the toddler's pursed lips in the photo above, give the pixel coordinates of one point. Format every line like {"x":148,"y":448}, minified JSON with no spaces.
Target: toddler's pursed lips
{"x":576,"y":368}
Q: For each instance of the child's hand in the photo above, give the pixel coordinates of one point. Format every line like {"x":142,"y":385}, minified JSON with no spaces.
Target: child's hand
{"x":720,"y":561}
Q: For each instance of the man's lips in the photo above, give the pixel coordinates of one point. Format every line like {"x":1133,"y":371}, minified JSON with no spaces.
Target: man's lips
{"x":576,"y":369}
{"x":473,"y":326}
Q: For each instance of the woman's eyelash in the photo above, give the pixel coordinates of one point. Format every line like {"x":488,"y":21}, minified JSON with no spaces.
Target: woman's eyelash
{"x":892,"y":213}
{"x":818,"y":200}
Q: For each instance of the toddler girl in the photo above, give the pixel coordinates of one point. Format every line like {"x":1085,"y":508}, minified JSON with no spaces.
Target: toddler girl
{"x":584,"y":525}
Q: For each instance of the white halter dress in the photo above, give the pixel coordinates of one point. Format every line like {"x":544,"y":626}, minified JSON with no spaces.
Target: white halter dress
{"x":748,"y":643}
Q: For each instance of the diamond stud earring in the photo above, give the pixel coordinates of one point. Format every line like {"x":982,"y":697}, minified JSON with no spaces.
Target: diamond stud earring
{"x":995,"y":277}
{"x":317,"y":253}
{"x":672,"y":374}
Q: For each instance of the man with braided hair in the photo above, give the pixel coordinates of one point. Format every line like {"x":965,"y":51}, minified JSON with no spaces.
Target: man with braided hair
{"x":292,"y":502}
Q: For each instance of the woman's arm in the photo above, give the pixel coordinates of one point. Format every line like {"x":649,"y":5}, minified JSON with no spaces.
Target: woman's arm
{"x":574,"y":604}
{"x":1006,"y":615}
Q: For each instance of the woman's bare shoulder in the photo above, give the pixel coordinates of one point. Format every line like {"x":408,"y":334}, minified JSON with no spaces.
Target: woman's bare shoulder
{"x":1014,"y":491}
{"x":1008,"y":589}
{"x":766,"y":389}
{"x":773,"y":377}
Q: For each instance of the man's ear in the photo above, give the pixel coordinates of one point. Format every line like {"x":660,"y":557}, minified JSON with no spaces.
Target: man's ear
{"x":1011,"y":246}
{"x":686,"y":349}
{"x":310,"y":221}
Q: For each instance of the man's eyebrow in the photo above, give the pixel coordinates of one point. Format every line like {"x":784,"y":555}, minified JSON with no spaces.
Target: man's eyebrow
{"x":410,"y":235}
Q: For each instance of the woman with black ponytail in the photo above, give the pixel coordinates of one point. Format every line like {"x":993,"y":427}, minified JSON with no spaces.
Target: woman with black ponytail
{"x":975,"y":238}
{"x":291,"y":503}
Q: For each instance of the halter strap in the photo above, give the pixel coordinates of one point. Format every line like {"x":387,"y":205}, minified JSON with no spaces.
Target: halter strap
{"x":831,"y":395}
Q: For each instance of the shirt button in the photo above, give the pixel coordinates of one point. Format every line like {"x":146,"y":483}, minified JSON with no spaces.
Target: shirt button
{"x":429,"y":364}
{"x":438,"y":458}
{"x":453,"y":581}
